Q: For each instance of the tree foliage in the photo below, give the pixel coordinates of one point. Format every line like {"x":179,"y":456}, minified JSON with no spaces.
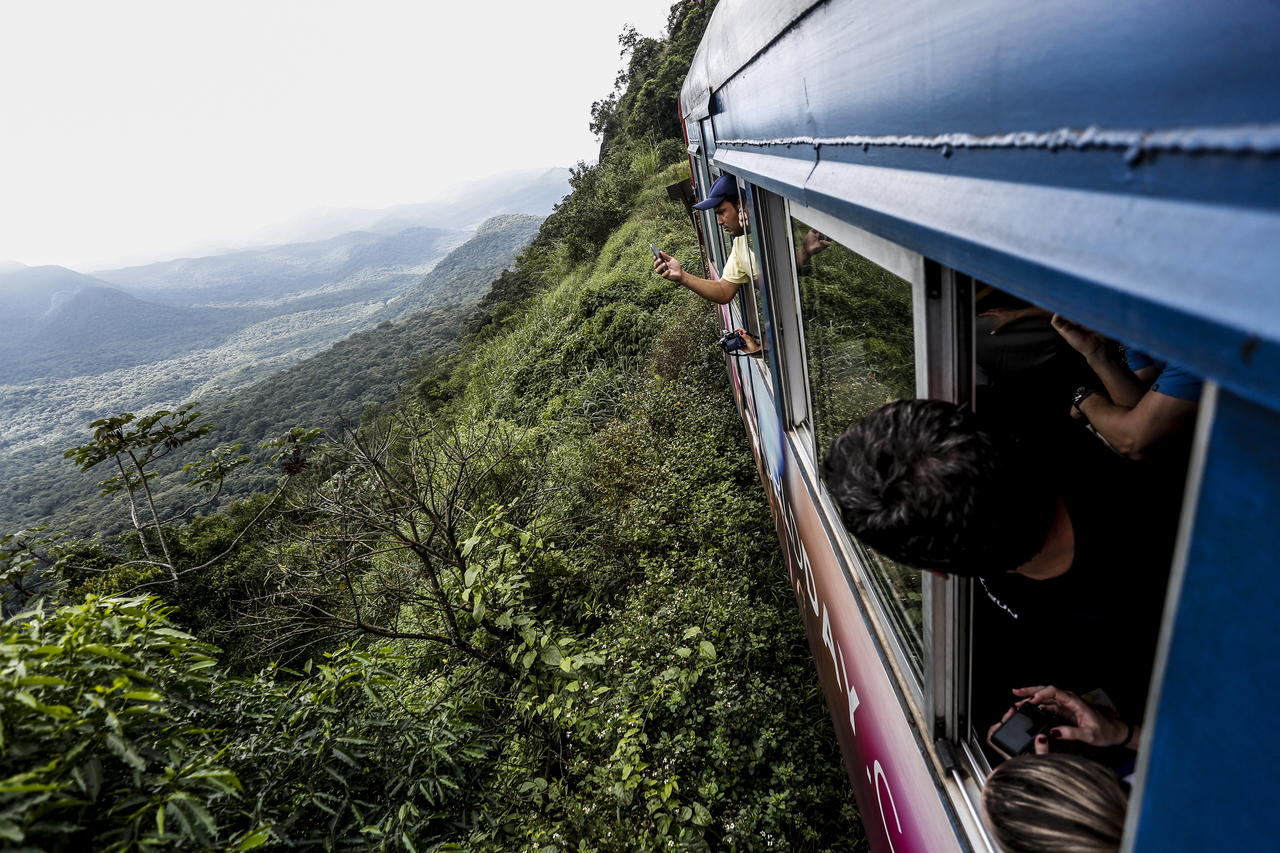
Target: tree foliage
{"x":122,"y":733}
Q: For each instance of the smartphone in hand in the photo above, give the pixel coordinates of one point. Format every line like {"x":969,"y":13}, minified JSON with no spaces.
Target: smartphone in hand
{"x":657,"y":253}
{"x":1018,"y":734}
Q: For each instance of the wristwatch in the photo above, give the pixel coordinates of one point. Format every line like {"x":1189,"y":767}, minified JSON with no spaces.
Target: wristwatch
{"x":1081,"y":392}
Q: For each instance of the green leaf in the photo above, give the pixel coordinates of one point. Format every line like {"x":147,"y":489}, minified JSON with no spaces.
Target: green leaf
{"x":219,"y":779}
{"x":691,"y":632}
{"x":255,"y":839}
{"x":26,"y":788}
{"x":126,"y":752}
{"x":106,"y":651}
{"x":194,"y":818}
{"x":41,"y":681}
{"x":145,"y":696}
{"x":11,"y":832}
{"x":61,"y":712}
{"x":708,"y":650}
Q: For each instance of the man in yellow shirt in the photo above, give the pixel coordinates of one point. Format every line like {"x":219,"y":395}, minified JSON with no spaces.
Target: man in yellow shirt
{"x":741,"y":266}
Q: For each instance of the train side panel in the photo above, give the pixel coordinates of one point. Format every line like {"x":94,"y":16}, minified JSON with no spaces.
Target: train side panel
{"x":900,"y":802}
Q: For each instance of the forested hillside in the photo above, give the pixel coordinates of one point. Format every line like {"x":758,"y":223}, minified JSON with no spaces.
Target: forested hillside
{"x":74,"y":347}
{"x":532,"y":602}
{"x":330,"y":388}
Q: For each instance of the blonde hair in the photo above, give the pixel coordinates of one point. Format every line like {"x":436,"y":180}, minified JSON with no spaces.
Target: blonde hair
{"x":1054,"y":804}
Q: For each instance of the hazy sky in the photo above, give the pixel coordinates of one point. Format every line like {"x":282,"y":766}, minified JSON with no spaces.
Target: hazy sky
{"x":130,"y":127}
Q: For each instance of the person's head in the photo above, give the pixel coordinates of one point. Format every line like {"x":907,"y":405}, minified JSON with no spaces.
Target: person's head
{"x":923,"y":483}
{"x":1054,"y":804}
{"x":728,"y":217}
{"x":723,"y":199}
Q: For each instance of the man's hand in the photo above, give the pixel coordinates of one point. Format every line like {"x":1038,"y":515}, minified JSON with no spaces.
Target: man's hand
{"x":1085,"y":341}
{"x":812,"y":244}
{"x":668,"y":267}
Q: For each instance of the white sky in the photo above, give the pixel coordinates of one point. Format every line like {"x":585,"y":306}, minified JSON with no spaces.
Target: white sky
{"x":130,"y":127}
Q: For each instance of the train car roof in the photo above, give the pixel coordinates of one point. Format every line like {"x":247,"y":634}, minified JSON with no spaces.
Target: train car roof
{"x":1118,"y":162}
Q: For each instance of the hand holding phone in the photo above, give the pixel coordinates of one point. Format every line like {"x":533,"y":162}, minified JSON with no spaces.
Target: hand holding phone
{"x":1017,"y":735}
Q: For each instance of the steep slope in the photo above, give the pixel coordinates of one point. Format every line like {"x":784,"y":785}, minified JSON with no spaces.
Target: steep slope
{"x":465,"y":275}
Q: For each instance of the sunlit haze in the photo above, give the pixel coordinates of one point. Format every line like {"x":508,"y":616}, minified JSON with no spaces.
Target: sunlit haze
{"x":134,"y":127}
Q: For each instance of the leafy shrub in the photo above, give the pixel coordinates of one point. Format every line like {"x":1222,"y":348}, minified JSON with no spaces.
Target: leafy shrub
{"x":122,"y":733}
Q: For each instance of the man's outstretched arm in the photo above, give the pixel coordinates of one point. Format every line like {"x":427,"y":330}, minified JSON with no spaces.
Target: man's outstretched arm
{"x":720,"y":292}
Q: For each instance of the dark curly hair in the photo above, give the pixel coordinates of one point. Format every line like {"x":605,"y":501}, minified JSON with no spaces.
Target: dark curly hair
{"x":923,"y":483}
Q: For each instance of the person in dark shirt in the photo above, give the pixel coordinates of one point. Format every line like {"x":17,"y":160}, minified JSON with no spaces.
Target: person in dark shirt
{"x":1071,"y":555}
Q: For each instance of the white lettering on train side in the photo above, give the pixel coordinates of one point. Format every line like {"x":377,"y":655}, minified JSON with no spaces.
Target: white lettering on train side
{"x":808,"y":578}
{"x":850,"y":691}
{"x":792,"y":539}
{"x":807,"y":588}
{"x":880,"y":774}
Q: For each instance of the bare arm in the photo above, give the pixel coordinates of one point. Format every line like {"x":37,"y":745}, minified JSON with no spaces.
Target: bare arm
{"x":720,"y":292}
{"x":1124,"y":388}
{"x":1132,"y":430}
{"x":812,"y":244}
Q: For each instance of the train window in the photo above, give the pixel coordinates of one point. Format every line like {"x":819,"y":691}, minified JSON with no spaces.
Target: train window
{"x":755,"y":298}
{"x":859,"y":354}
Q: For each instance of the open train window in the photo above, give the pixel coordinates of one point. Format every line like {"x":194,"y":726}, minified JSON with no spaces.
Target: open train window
{"x":1112,"y":434}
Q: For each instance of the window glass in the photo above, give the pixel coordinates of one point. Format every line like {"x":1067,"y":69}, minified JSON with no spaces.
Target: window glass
{"x":757,"y":280}
{"x":859,"y":354}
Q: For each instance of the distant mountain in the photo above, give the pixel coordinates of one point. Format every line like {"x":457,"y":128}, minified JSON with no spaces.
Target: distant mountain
{"x":461,"y":206}
{"x":465,"y":274}
{"x":96,"y":329}
{"x":11,"y":266}
{"x":63,"y":324}
{"x":357,"y":266}
{"x":26,"y":294}
{"x":86,"y":349}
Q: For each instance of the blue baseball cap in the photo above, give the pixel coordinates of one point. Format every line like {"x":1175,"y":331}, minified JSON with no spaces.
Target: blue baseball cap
{"x":726,"y":186}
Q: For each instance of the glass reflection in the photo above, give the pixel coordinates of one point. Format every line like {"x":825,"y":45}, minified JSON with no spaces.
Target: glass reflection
{"x":860,"y":354}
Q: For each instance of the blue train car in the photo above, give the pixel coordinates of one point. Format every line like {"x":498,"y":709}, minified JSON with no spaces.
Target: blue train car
{"x":1115,"y":163}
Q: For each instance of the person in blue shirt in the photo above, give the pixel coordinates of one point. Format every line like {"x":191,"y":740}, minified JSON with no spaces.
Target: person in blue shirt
{"x":1149,"y":400}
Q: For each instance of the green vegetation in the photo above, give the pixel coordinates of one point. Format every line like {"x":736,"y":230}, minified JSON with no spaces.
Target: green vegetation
{"x":533,"y":601}
{"x":123,"y":733}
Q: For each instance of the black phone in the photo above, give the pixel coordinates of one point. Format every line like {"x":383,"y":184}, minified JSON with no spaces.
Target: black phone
{"x":1018,"y":734}
{"x":657,"y":253}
